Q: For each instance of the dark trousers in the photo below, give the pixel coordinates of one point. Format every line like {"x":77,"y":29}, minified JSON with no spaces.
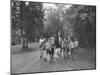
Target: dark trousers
{"x":52,"y":52}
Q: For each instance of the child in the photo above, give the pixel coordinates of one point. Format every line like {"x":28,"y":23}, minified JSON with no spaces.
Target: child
{"x":71,"y":47}
{"x":76,"y":44}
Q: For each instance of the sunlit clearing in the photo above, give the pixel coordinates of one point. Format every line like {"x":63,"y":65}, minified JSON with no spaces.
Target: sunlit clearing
{"x":48,"y":5}
{"x":27,"y":3}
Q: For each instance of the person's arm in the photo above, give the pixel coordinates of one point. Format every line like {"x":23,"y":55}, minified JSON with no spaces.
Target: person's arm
{"x":43,"y":46}
{"x":40,"y":41}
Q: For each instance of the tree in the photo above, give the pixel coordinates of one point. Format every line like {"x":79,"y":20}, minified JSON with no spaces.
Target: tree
{"x":32,"y":18}
{"x":15,"y":20}
{"x":79,"y":21}
{"x":29,"y":19}
{"x":54,"y":19}
{"x":85,"y":24}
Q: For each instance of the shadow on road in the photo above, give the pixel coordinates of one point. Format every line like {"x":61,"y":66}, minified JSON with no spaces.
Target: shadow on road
{"x":23,"y":50}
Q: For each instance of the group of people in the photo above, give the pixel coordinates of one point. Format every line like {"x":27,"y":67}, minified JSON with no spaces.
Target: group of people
{"x":55,"y":45}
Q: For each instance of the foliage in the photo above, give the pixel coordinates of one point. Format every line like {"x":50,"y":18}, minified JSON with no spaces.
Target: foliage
{"x":75,"y":21}
{"x":28,"y":17}
{"x":85,"y":25}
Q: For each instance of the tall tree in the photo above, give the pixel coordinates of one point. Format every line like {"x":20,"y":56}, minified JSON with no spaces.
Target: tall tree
{"x":84,"y":24}
{"x":32,"y":18}
{"x":28,"y":17}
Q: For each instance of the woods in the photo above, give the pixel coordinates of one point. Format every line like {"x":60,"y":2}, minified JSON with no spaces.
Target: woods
{"x":28,"y":18}
{"x":31,"y":20}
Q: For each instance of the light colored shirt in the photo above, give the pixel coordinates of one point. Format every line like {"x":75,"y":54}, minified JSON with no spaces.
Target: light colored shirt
{"x":76,"y":43}
{"x":48,"y":45}
{"x":41,"y":40}
{"x":71,"y":45}
{"x":52,"y":40}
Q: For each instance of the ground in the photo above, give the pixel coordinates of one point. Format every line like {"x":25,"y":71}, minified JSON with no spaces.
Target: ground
{"x":28,"y":61}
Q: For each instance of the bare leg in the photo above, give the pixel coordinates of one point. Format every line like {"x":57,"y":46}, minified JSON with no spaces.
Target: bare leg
{"x":60,"y":51}
{"x":41,"y":54}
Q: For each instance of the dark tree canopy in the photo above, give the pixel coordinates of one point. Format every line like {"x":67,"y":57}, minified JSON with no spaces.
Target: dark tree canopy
{"x":28,"y":17}
{"x":32,"y":18}
{"x":85,"y":25}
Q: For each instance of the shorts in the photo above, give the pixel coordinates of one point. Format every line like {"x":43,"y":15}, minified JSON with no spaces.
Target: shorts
{"x":72,"y":50}
{"x":52,"y":51}
{"x":48,"y":51}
